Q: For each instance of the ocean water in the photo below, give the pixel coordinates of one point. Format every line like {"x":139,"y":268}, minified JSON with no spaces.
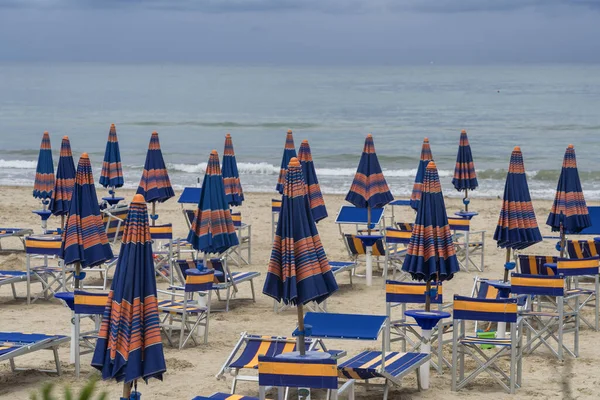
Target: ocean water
{"x":540,"y":108}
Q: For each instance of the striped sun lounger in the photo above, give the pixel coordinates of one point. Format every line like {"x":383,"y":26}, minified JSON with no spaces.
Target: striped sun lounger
{"x":15,"y":344}
{"x":225,"y":396}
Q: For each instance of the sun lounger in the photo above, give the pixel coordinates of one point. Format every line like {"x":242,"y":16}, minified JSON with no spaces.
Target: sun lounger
{"x":12,"y":277}
{"x":15,"y":344}
{"x":43,"y":249}
{"x":225,"y":396}
{"x":114,"y":221}
{"x":595,"y":217}
{"x":19,"y":233}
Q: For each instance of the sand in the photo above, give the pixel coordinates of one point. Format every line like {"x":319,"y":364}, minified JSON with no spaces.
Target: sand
{"x":191,"y":371}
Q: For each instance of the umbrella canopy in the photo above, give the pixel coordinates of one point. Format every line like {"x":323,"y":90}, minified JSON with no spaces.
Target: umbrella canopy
{"x":44,"y":172}
{"x":112,"y":173}
{"x":212,"y":230}
{"x":465,"y":177}
{"x":289,"y":151}
{"x":84,"y":236}
{"x":369,"y":188}
{"x":517,"y":226}
{"x":431,"y":253}
{"x":313,"y":190}
{"x":231,"y":177}
{"x":569,"y":208}
{"x":65,"y":180}
{"x":129,"y":345}
{"x":155,"y":184}
{"x":426,"y":156}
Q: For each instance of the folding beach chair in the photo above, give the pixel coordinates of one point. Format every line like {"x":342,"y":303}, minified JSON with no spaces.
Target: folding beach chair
{"x":187,"y":315}
{"x":242,"y":253}
{"x":162,"y":252}
{"x":492,"y":310}
{"x":357,"y":250}
{"x":114,"y":221}
{"x":43,"y":249}
{"x":583,"y":286}
{"x":390,"y":366}
{"x":546,"y":316}
{"x":583,"y":248}
{"x":398,"y":203}
{"x":536,"y":265}
{"x":396,"y":246}
{"x":19,"y":233}
{"x":188,"y":200}
{"x":275,"y":210}
{"x":11,"y":278}
{"x":594,"y":212}
{"x":469,"y":245}
{"x":15,"y":344}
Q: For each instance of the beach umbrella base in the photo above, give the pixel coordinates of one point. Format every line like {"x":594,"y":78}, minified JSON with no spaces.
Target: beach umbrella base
{"x":466,"y":214}
{"x":368,"y":241}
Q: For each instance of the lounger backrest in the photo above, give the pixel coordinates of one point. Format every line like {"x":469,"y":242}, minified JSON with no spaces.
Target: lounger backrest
{"x":397,"y":236}
{"x":47,"y":246}
{"x":583,"y":248}
{"x":282,"y":372}
{"x":487,"y":291}
{"x":405,"y":226}
{"x":190,"y":215}
{"x":537,"y":285}
{"x":534,"y":265}
{"x":586,"y":266}
{"x":265,"y":346}
{"x":185,"y":265}
{"x":275,"y":205}
{"x":114,"y":221}
{"x":459,"y":224}
{"x":161,"y":232}
{"x":474,"y":309}
{"x":595,"y":219}
{"x":410,"y":292}
{"x":89,"y":302}
{"x":356,"y":247}
{"x":236,"y":218}
{"x":199,"y":280}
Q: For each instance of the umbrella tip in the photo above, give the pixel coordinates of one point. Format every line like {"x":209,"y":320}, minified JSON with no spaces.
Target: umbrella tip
{"x":85,"y":155}
{"x":431,"y":165}
{"x":228,"y":135}
{"x":45,"y":132}
{"x":138,"y":198}
{"x":426,"y":140}
{"x":570,"y":146}
{"x":65,"y":137}
{"x":463,"y":131}
{"x":154,"y":133}
{"x":305,"y":141}
{"x":517,"y":148}
{"x":289,"y":131}
{"x":294,"y":162}
{"x":214,"y":152}
{"x":112,"y":125}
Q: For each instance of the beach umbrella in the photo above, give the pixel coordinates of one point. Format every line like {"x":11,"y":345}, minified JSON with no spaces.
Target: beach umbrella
{"x":44,"y":172}
{"x":465,"y":177}
{"x":517,"y":226}
{"x":313,"y":190}
{"x":65,"y":181}
{"x":231,"y":177}
{"x":112,"y":172}
{"x":289,"y":151}
{"x":212,"y":230}
{"x":84,"y":238}
{"x":298,"y":271}
{"x":426,"y":156}
{"x":129,"y":345}
{"x":569,"y":213}
{"x":155,"y":185}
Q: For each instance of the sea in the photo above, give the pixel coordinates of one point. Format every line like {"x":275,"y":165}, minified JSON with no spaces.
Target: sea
{"x":541,"y":108}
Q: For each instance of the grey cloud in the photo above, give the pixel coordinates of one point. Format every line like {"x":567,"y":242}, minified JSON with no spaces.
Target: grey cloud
{"x":466,"y":6}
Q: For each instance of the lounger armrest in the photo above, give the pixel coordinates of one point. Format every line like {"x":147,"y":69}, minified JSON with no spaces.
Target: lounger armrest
{"x":172,"y":292}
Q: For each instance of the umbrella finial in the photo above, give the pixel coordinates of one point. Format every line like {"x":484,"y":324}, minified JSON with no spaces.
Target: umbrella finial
{"x":214,"y":152}
{"x":517,"y":148}
{"x":370,"y":135}
{"x":305,"y":141}
{"x":228,"y":135}
{"x":138,"y":198}
{"x":294,"y":162}
{"x":426,"y":140}
{"x":431,"y":165}
{"x":65,"y":137}
{"x":570,"y":146}
{"x":463,"y":131}
{"x":289,"y":131}
{"x":85,"y":155}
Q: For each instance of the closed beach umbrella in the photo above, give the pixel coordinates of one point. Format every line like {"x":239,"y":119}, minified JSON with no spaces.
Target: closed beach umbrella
{"x":155,"y":185}
{"x":65,"y":181}
{"x":298,"y":271}
{"x":289,"y":151}
{"x":313,"y":190}
{"x":129,"y":345}
{"x":426,"y":156}
{"x":231,"y":177}
{"x":569,"y":213}
{"x":112,"y":172}
{"x":517,"y":226}
{"x":44,"y":172}
{"x":465,"y":177}
{"x":212,"y":230}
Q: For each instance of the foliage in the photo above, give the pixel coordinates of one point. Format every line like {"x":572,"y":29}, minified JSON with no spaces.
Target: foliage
{"x":87,"y":393}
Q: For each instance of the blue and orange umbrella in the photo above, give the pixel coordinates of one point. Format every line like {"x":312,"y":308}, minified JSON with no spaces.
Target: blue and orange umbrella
{"x":465,"y":177}
{"x":289,"y":151}
{"x":231,"y":176}
{"x":212,"y":230}
{"x":569,"y":213}
{"x":155,"y":185}
{"x":313,"y":190}
{"x":112,"y":172}
{"x":298,"y":271}
{"x":44,"y":172}
{"x":517,"y":226}
{"x":426,"y":156}
{"x":129,"y":345}
{"x":65,"y":181}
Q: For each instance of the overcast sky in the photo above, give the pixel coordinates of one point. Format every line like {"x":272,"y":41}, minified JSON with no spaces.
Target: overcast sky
{"x":301,"y":31}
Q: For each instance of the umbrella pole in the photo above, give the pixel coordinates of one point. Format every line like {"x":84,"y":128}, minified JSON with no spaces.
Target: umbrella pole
{"x":428,"y":296}
{"x":368,"y":220}
{"x":62,"y":222}
{"x":507,"y":261}
{"x":301,"y":342}
{"x":77,"y":272}
{"x":465,"y":202}
{"x":126,"y":390}
{"x":153,"y":213}
{"x":562,"y":240}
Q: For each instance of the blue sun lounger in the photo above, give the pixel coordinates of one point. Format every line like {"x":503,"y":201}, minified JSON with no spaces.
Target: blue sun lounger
{"x":12,"y":277}
{"x":15,"y":344}
{"x":19,"y":233}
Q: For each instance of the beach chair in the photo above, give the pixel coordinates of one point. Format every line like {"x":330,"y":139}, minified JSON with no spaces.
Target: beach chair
{"x":242,"y":253}
{"x":583,"y":248}
{"x":469,"y":244}
{"x":42,"y":250}
{"x":594,"y":212}
{"x":546,"y":317}
{"x":187,"y":315}
{"x":396,"y":246}
{"x":536,"y":265}
{"x":15,"y":344}
{"x":188,"y":200}
{"x":162,"y":252}
{"x":11,"y":278}
{"x":370,"y":364}
{"x":398,"y":203}
{"x":358,"y":217}
{"x":113,"y":219}
{"x":275,"y":210}
{"x":357,"y":250}
{"x":492,"y":310}
{"x":19,"y":233}
{"x":583,"y":285}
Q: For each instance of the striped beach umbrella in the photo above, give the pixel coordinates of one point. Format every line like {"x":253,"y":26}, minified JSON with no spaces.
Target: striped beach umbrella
{"x":84,"y":238}
{"x":65,"y":181}
{"x":517,"y":226}
{"x":155,"y":185}
{"x":569,"y":213}
{"x":426,"y":156}
{"x":298,"y":271}
{"x":465,"y":177}
{"x":313,"y":190}
{"x":289,"y":151}
{"x":129,"y":345}
{"x":112,"y":172}
{"x":231,"y":177}
{"x":44,"y":172}
{"x":212,"y":230}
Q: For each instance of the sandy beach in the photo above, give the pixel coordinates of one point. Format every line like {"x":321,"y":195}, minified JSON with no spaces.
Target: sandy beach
{"x":191,"y":371}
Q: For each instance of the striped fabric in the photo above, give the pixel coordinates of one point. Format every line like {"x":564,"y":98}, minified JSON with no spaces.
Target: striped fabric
{"x":231,"y":176}
{"x":367,"y":364}
{"x":89,"y":302}
{"x":465,"y":177}
{"x":569,"y":208}
{"x":112,"y":172}
{"x":410,"y":292}
{"x":155,"y":184}
{"x":534,"y":265}
{"x":276,"y":205}
{"x":431,"y":254}
{"x":537,"y":285}
{"x":161,"y":232}
{"x":397,"y":236}
{"x":487,"y":291}
{"x":212,"y":230}
{"x":459,"y":224}
{"x":583,"y":248}
{"x":289,"y":152}
{"x":225,"y":396}
{"x":264,"y":345}
{"x":199,"y":280}
{"x":65,"y":180}
{"x":84,"y":236}
{"x":517,"y":226}
{"x":315,"y":198}
{"x":129,"y":345}
{"x":474,"y":309}
{"x":357,"y":248}
{"x":426,"y":156}
{"x":283,"y":372}
{"x":586,"y":266}
{"x":405,"y":226}
{"x":43,"y":245}
{"x":298,"y":270}
{"x":113,"y":223}
{"x":369,"y":187}
{"x":44,"y":172}
{"x":237,"y":219}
